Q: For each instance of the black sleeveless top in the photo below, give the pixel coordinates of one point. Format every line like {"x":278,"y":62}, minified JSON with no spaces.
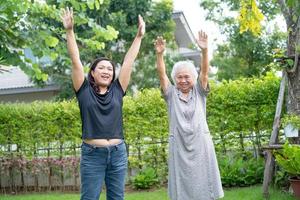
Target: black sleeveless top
{"x":101,"y":114}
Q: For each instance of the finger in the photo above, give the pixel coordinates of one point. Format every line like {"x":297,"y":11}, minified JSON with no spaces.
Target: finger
{"x":202,"y":34}
{"x":139,"y":20}
{"x":71,"y":12}
{"x":199,"y":34}
{"x":62,"y":12}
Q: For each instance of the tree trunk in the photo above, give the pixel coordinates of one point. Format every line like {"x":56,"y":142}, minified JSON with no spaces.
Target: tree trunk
{"x":293,"y":98}
{"x":292,"y":19}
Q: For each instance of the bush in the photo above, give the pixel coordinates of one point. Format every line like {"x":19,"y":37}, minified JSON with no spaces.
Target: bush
{"x":145,"y":179}
{"x":241,"y":171}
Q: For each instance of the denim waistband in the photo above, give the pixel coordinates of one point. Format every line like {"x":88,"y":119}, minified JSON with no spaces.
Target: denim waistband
{"x":103,"y":147}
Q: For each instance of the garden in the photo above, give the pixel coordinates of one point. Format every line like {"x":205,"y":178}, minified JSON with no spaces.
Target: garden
{"x":40,"y":142}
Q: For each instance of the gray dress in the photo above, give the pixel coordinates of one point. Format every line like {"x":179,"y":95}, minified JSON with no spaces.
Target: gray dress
{"x":193,"y":167}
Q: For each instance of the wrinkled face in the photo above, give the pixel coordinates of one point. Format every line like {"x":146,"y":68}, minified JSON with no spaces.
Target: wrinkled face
{"x":103,"y":73}
{"x":184,"y":80}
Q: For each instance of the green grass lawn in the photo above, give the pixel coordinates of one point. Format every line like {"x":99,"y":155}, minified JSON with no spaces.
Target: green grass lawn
{"x":248,"y":193}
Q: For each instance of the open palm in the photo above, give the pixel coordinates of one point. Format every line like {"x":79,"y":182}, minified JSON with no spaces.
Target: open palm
{"x":142,"y":26}
{"x":67,"y":18}
{"x":202,"y":40}
{"x":160,"y":45}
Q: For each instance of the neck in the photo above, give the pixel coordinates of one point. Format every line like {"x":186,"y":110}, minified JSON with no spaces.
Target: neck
{"x":185,"y":94}
{"x":102,"y":90}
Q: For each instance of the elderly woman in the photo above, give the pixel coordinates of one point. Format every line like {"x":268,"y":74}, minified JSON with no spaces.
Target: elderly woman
{"x":193,"y":167}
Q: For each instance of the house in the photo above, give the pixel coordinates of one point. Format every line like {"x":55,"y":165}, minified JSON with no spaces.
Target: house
{"x":15,"y":85}
{"x":185,"y":39}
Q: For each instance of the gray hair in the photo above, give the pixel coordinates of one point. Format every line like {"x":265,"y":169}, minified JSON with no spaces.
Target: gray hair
{"x":187,"y":65}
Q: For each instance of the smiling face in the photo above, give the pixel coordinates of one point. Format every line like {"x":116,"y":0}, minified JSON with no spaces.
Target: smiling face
{"x":103,"y":74}
{"x":184,"y":80}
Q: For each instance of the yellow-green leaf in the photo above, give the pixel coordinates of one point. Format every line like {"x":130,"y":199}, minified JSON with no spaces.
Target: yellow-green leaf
{"x":51,"y":41}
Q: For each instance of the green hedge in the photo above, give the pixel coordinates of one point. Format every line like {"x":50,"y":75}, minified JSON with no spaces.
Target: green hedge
{"x":242,"y":109}
{"x":238,"y":113}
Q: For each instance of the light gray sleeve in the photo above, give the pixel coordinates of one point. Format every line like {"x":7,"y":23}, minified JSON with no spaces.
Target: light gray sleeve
{"x":201,"y":90}
{"x":167,"y":95}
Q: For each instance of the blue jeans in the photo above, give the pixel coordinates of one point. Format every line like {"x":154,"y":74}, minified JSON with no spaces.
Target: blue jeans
{"x":103,"y":163}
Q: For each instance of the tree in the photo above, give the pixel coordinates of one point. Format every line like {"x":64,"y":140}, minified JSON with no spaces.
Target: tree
{"x":245,"y":55}
{"x":122,"y":15}
{"x":36,"y":27}
{"x":102,"y":27}
{"x":242,"y":55}
{"x":11,"y":40}
{"x":291,"y":12}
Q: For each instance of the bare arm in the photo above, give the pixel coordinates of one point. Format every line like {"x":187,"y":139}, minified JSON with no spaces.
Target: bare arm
{"x":160,"y":45}
{"x":131,"y":55}
{"x":77,"y":68}
{"x":203,"y":44}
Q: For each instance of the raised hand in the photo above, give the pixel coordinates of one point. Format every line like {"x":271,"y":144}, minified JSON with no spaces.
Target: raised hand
{"x":141,"y":27}
{"x":160,"y":45}
{"x":202,"y":40}
{"x":67,"y":18}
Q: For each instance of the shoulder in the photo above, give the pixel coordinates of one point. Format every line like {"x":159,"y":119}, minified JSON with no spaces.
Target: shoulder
{"x":83,"y":87}
{"x":116,"y":87}
{"x":168,"y":92}
{"x":201,"y":90}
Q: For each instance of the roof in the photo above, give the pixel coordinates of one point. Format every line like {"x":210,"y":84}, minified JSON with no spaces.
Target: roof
{"x":185,"y":38}
{"x":13,"y":77}
{"x":184,"y":35}
{"x":13,"y":80}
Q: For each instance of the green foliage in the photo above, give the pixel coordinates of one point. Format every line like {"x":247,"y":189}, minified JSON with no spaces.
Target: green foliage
{"x":239,"y":170}
{"x":12,"y":13}
{"x":281,"y":179}
{"x":218,"y":9}
{"x":243,"y":107}
{"x":36,"y":125}
{"x":36,"y":26}
{"x":289,"y":159}
{"x":102,"y":28}
{"x":243,"y":55}
{"x":234,"y":108}
{"x":145,"y":179}
{"x":158,"y":19}
{"x":292,"y":119}
{"x":281,"y":61}
{"x":146,"y":130}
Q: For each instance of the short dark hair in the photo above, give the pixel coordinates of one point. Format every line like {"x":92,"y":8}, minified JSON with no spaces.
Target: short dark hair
{"x":92,"y":68}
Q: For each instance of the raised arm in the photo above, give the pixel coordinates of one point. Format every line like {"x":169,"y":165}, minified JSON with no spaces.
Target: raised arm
{"x":125,"y":72}
{"x":77,"y":68}
{"x":160,"y":46}
{"x":203,"y":44}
